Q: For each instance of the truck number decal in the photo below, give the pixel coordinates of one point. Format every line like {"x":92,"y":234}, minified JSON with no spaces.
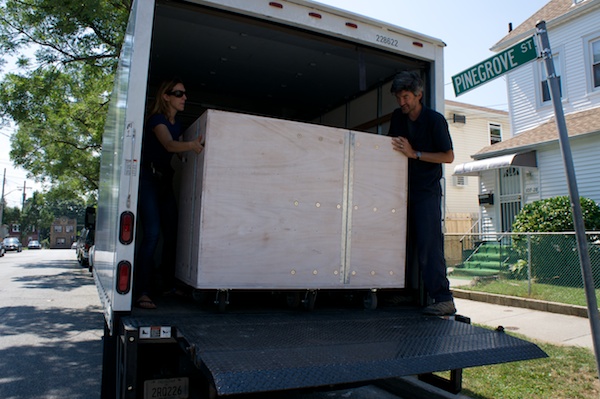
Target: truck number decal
{"x":387,"y":40}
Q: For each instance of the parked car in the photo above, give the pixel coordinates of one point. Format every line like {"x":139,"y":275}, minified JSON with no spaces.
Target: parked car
{"x":13,"y":244}
{"x":34,"y":244}
{"x":84,"y":243}
{"x":91,"y":255}
{"x":2,"y":249}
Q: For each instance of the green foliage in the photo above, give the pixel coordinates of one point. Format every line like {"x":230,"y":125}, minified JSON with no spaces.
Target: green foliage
{"x":554,"y":258}
{"x":555,"y":215}
{"x":41,"y":209}
{"x":11,"y":215}
{"x":58,"y":99}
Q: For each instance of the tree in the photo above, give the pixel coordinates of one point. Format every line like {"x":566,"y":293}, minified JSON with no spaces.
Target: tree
{"x":36,"y":216}
{"x":61,"y":202}
{"x":59,"y":98}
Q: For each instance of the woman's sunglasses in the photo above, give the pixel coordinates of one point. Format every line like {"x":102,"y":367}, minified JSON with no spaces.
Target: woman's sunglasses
{"x":177,"y":93}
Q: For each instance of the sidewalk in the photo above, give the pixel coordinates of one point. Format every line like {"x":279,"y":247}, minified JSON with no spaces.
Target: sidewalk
{"x":562,"y":325}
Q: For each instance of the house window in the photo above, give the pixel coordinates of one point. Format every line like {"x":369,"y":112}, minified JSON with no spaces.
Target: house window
{"x":495,"y":132}
{"x":58,"y":229}
{"x":545,"y":85}
{"x":16,"y":228}
{"x":69,"y":228}
{"x":596,"y":62}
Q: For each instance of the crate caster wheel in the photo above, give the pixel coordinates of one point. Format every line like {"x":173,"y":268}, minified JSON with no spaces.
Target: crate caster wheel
{"x":309,"y":300}
{"x":370,"y":301}
{"x":222,"y":300}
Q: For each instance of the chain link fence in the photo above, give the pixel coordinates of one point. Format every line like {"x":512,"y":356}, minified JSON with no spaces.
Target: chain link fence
{"x":535,"y":265}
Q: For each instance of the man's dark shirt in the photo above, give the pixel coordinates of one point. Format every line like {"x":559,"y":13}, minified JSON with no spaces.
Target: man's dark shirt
{"x":429,"y":133}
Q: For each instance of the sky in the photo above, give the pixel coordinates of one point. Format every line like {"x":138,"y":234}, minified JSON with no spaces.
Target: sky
{"x":468,"y":27}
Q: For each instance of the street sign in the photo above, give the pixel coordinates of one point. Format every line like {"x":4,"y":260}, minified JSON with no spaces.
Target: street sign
{"x":519,"y":54}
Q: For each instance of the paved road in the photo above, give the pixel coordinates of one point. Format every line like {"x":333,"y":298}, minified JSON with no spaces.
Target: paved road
{"x":50,"y":327}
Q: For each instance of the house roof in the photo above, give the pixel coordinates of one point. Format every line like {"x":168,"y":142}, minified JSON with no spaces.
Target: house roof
{"x":456,"y":104}
{"x":554,"y":12}
{"x":578,"y":123}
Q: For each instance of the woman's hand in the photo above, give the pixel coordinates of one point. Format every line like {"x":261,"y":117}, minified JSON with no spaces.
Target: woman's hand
{"x":196,"y":144}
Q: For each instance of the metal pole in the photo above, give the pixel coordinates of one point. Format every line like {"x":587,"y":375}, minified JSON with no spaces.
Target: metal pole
{"x":582,"y":246}
{"x":529,"y":264}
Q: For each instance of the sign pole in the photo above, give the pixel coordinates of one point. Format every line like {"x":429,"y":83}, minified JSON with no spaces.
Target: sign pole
{"x":582,"y":245}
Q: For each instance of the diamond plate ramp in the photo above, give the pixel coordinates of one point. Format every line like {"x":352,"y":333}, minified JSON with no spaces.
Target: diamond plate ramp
{"x":259,"y":352}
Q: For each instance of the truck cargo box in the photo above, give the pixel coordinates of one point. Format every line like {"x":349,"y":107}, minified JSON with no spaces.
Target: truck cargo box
{"x":278,"y":204}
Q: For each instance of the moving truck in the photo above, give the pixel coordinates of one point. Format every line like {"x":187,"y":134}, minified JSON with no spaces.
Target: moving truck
{"x":292,"y":224}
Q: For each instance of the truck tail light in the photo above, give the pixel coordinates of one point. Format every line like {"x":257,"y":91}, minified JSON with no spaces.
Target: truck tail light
{"x":126,"y":227}
{"x":123,"y":277}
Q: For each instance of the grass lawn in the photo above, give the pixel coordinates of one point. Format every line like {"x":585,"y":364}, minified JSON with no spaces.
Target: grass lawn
{"x":546,"y":292}
{"x":568,"y":373}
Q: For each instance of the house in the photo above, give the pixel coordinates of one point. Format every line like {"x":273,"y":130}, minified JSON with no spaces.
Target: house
{"x":62,"y":232}
{"x":471,"y":128}
{"x":529,"y":166}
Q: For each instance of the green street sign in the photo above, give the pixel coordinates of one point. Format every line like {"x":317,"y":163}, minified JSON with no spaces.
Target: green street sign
{"x":519,"y":54}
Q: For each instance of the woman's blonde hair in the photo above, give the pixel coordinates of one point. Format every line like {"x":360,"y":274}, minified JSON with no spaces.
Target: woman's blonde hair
{"x":160,"y":106}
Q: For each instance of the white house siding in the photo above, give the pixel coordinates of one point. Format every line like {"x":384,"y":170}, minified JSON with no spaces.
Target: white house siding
{"x":523,"y":83}
{"x":553,"y":181}
{"x":468,"y":138}
{"x":531,"y":185}
{"x":487,"y":183}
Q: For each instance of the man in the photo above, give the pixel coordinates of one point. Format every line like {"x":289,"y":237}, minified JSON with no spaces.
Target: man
{"x":422,"y":135}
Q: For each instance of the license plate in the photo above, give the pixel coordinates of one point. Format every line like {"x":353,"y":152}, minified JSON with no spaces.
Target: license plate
{"x":171,"y":388}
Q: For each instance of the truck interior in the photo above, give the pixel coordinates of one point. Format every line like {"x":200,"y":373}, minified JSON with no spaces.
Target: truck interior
{"x":253,"y":66}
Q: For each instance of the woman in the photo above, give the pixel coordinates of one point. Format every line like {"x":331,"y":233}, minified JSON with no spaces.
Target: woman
{"x":157,"y":207}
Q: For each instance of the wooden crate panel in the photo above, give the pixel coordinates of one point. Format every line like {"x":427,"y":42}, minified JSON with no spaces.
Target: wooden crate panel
{"x":265,"y":206}
{"x":377,"y":214}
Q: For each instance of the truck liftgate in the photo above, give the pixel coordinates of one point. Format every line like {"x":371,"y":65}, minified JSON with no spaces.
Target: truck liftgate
{"x":249,"y":352}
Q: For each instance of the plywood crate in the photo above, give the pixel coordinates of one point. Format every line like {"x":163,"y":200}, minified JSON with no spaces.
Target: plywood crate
{"x":275,"y":204}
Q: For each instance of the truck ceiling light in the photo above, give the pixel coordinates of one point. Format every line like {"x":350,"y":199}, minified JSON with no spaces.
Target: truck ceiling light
{"x":315,"y":15}
{"x":275,"y":4}
{"x":418,"y":44}
{"x":123,"y":277}
{"x":351,"y":25}
{"x":126,"y":227}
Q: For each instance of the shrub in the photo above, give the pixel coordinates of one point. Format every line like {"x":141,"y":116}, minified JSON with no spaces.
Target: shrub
{"x":555,"y":215}
{"x":554,"y":258}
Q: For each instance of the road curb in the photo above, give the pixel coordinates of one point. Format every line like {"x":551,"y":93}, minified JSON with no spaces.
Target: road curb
{"x":505,"y":300}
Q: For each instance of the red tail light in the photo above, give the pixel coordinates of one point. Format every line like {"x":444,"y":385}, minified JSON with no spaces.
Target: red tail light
{"x":123,"y":277}
{"x":126,"y":227}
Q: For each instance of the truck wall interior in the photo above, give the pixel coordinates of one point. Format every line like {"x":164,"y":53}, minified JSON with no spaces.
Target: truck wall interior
{"x":243,"y":64}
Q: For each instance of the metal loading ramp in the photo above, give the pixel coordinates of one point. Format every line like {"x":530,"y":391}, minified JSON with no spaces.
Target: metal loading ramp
{"x":260,"y":352}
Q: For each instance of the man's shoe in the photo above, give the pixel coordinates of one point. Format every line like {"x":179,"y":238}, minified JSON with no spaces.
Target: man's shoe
{"x":445,"y":308}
